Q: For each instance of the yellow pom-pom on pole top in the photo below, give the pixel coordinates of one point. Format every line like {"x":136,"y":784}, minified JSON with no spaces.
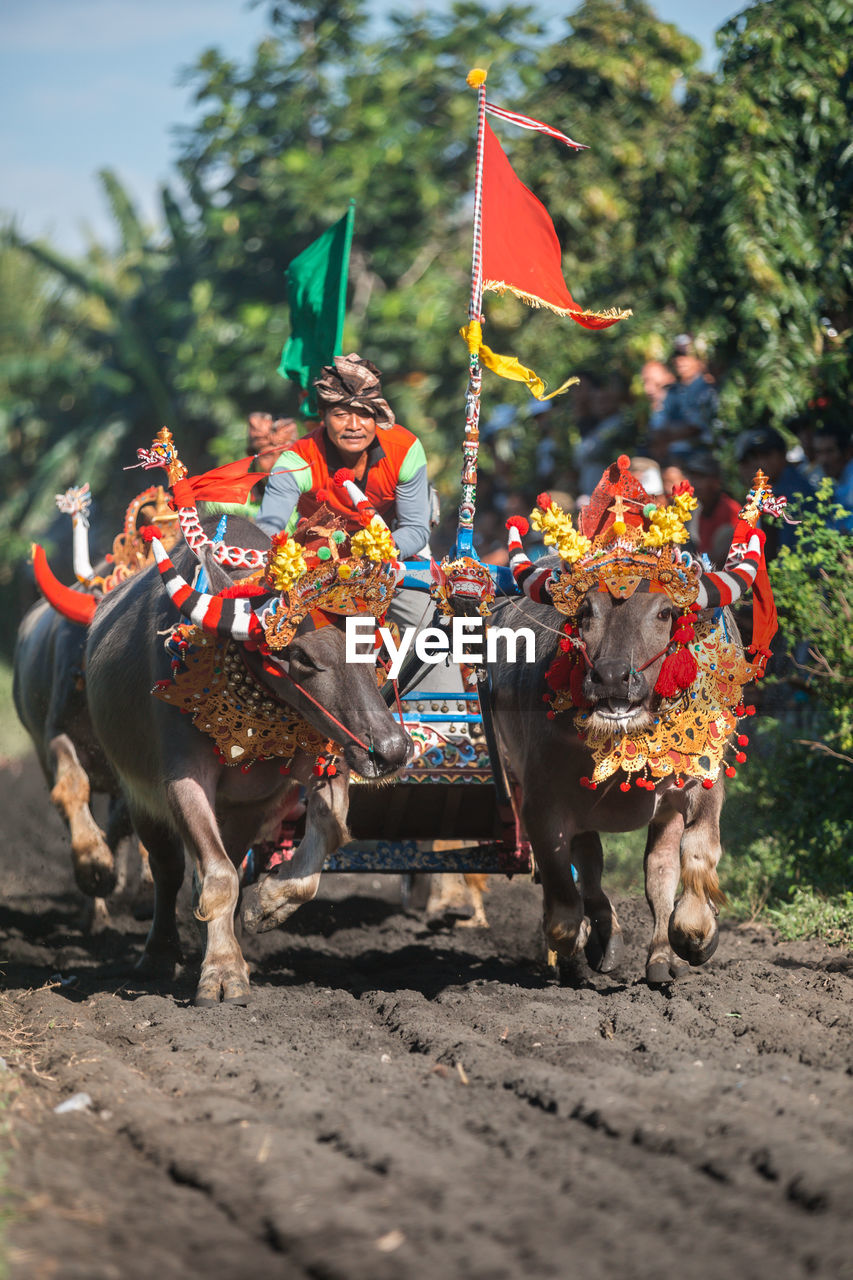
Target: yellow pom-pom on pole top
{"x":475,"y":77}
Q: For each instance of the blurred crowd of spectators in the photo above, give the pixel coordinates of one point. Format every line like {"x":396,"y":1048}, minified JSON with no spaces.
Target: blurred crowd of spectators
{"x":672,"y":432}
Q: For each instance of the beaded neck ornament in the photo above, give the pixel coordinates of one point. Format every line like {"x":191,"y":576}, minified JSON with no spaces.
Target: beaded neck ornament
{"x":624,"y":539}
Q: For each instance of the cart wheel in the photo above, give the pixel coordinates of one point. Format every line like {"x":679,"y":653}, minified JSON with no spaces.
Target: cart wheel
{"x":415,"y":889}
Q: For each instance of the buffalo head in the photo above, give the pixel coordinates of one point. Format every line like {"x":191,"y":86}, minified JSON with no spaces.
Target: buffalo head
{"x":624,"y":642}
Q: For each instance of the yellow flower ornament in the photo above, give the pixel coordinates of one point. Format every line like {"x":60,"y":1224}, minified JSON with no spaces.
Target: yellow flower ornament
{"x":374,"y":542}
{"x":558,"y":532}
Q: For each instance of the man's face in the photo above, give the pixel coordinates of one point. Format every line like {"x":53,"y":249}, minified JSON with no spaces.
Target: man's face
{"x":828,"y":456}
{"x":656,"y":378}
{"x":771,"y":461}
{"x":688,"y":367}
{"x":706,"y":488}
{"x":268,"y":438}
{"x":350,"y":430}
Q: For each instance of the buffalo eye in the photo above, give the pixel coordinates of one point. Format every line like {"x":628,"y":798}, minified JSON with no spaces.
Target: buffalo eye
{"x":304,"y":659}
{"x":665,"y":615}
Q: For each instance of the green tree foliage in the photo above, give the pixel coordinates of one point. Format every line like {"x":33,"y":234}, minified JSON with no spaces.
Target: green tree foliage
{"x":789,"y":821}
{"x":774,"y":251}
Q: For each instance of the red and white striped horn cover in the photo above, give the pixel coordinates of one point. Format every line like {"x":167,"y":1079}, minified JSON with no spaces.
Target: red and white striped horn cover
{"x":224,"y":616}
{"x":719,"y":589}
{"x":345,"y":479}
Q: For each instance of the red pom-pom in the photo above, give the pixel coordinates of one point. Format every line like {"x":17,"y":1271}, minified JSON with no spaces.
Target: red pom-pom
{"x":585,"y":782}
{"x":322,"y":495}
{"x":150,"y":532}
{"x":707,"y":784}
{"x":678,"y":672}
{"x":740,"y":709}
{"x":623,"y":462}
{"x":742,"y":740}
{"x":624,"y":786}
{"x":363,"y":506}
{"x":551,"y":715}
{"x":740,"y":756}
{"x":566,"y":646}
{"x":342,"y":474}
{"x":519,"y":523}
{"x":679,"y":782}
{"x":731,"y":771}
{"x":284,"y":769}
{"x":750,"y":711}
{"x":683,"y":634}
{"x":543,"y":501}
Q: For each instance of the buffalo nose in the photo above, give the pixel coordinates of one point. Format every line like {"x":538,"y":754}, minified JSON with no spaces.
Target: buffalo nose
{"x":611,"y":675}
{"x":392,"y":749}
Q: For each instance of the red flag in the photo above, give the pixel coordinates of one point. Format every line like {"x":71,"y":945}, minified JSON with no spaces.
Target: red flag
{"x":521,"y":251}
{"x":231,"y":483}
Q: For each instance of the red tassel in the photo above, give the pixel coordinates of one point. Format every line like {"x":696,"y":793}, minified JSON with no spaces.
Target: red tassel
{"x":576,"y":686}
{"x":557,"y":675}
{"x":678,"y":671}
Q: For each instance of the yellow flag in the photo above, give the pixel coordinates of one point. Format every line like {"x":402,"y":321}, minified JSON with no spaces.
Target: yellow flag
{"x":509,"y":366}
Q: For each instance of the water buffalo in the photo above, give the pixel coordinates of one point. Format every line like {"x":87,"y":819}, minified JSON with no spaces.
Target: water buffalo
{"x":49,"y":690}
{"x":49,"y":698}
{"x":180,"y":793}
{"x":649,"y":668}
{"x":563,"y":818}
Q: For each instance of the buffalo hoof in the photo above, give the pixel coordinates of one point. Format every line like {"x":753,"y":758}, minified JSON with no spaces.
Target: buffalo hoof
{"x":97,"y":879}
{"x":271,"y":901}
{"x":663,"y":970}
{"x":604,"y":955}
{"x":222,"y":984}
{"x":207,"y":1002}
{"x":695,"y":950}
{"x":568,"y":937}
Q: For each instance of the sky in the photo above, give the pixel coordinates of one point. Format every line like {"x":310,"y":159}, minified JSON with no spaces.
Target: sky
{"x":92,"y":84}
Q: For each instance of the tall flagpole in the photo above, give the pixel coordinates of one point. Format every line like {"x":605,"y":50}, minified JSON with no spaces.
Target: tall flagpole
{"x":471,"y":444}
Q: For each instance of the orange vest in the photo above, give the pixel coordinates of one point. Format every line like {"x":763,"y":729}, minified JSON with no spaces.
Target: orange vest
{"x":379,"y":483}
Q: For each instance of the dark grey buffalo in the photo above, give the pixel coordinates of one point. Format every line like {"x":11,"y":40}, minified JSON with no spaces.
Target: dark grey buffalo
{"x":48,"y":691}
{"x":182,"y":797}
{"x":563,"y":818}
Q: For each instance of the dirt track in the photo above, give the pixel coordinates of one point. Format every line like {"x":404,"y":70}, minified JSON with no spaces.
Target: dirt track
{"x":401,"y":1101}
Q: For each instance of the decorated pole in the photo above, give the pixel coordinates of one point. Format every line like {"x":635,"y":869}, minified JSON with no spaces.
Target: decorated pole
{"x":474,"y":334}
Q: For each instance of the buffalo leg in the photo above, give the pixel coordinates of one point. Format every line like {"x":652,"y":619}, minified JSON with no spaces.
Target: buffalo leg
{"x":693,"y":931}
{"x":276,"y":896}
{"x":94,"y":868}
{"x":662,"y":872}
{"x":224,"y":972}
{"x":566,"y":931}
{"x":166,"y":859}
{"x":605,"y":947}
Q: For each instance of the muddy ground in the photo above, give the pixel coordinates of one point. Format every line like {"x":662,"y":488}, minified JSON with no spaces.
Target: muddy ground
{"x":410,"y":1101}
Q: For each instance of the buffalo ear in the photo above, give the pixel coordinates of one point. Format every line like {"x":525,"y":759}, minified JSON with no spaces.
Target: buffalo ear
{"x":217,"y":578}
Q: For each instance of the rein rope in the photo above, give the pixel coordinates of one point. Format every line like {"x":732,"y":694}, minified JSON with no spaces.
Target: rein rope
{"x":326,"y":712}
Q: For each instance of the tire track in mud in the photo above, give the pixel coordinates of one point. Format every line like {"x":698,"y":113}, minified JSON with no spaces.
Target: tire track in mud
{"x":401,"y":1101}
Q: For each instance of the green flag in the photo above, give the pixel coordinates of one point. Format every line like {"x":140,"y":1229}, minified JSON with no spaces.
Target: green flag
{"x":317,"y":296}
